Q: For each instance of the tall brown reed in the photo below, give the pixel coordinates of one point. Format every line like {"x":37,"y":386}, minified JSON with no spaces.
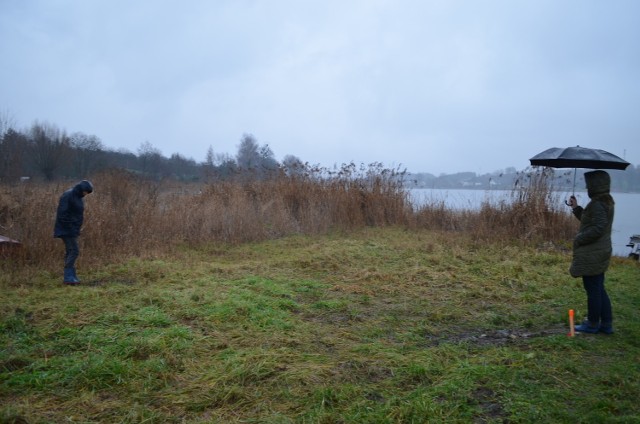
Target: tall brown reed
{"x":530,"y":214}
{"x":127,"y":215}
{"x":25,"y":211}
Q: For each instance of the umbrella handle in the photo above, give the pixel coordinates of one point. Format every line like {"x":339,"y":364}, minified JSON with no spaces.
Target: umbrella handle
{"x":574,"y":182}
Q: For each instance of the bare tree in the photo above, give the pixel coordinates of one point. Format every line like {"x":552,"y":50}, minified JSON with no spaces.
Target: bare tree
{"x":268,"y":162}
{"x":14,"y":147}
{"x":226,"y":166}
{"x":208,"y":165}
{"x":150,"y":158}
{"x":259,"y":160}
{"x":293,"y":166}
{"x":49,"y":148}
{"x":87,"y":153}
{"x":182,"y":168}
{"x":7,"y":122}
{"x":248,"y":156}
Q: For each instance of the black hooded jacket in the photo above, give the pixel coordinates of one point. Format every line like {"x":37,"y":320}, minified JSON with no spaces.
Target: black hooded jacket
{"x":70,"y":213}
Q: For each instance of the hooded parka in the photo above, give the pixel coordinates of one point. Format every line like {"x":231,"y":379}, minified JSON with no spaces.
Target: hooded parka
{"x":70,"y":214}
{"x":592,"y":244}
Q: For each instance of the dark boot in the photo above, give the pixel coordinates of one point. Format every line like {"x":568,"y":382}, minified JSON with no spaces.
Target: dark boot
{"x":74,"y":276}
{"x":69,"y":278}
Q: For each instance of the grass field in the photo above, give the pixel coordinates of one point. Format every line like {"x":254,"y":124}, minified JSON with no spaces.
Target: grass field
{"x":374,"y":326}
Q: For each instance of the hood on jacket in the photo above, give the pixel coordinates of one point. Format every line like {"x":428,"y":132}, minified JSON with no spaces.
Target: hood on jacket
{"x":83,"y":186}
{"x":598,"y":183}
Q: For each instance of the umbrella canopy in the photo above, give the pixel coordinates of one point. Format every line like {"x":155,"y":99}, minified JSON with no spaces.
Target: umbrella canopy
{"x":578,"y":157}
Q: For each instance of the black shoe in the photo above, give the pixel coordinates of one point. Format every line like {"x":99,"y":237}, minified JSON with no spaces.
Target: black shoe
{"x":606,"y":329}
{"x":585,"y":328}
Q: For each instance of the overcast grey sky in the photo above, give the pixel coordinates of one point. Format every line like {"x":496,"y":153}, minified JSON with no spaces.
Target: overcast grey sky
{"x":433,"y":86}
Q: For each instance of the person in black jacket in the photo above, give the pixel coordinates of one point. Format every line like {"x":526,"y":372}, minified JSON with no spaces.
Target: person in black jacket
{"x":69,"y":219}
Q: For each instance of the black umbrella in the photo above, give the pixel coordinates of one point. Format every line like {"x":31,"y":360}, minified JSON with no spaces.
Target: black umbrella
{"x":578,"y":157}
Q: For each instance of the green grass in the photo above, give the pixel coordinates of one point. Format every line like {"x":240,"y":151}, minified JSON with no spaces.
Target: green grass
{"x":380,"y":326}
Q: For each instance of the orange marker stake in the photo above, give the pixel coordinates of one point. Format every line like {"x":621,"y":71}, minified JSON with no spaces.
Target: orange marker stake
{"x":572,"y":330}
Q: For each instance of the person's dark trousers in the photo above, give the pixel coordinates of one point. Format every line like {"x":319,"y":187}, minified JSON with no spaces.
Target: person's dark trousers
{"x":71,"y":252}
{"x":598,"y":303}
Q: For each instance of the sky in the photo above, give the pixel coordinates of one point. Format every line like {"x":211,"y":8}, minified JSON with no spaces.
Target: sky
{"x":423,"y":85}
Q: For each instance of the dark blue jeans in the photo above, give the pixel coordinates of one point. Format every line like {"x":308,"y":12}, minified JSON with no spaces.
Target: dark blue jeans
{"x":71,"y":251}
{"x":598,"y":303}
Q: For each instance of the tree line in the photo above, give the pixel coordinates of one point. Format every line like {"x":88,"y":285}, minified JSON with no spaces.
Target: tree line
{"x":43,"y":151}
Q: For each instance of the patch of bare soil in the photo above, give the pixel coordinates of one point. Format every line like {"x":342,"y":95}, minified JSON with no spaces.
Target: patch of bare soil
{"x":493,"y":337}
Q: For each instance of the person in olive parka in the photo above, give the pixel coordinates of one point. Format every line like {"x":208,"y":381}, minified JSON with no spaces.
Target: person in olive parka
{"x":69,"y":219}
{"x":592,"y":251}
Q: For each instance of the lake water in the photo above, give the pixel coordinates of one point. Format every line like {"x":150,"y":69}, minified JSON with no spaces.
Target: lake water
{"x":625,"y":223}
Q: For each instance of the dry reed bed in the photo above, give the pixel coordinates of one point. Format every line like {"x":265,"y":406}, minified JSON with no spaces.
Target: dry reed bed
{"x":131,"y":216}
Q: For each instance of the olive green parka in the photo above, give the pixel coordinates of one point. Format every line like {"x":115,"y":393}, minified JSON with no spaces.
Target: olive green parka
{"x":592,"y":244}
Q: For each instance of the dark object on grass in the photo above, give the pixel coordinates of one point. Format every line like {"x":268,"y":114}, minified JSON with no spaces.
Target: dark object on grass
{"x":9,"y":247}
